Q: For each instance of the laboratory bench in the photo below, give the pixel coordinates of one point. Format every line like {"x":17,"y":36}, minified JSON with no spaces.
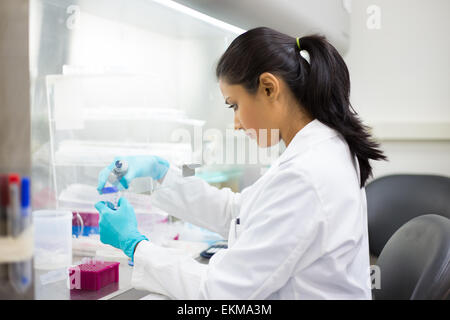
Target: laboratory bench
{"x":57,"y":289}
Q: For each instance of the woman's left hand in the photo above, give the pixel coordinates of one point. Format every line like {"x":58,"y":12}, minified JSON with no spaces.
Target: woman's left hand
{"x":118,"y":227}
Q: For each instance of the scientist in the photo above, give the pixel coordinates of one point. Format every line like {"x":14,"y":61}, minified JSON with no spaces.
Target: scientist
{"x":300,"y":231}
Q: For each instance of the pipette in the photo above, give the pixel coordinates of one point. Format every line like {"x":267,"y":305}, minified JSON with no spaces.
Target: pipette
{"x":117,"y":173}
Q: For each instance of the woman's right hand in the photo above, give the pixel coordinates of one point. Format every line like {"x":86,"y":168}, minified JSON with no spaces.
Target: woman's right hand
{"x":138,"y":167}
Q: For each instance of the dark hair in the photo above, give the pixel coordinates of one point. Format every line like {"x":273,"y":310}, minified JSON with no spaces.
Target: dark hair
{"x":322,"y":87}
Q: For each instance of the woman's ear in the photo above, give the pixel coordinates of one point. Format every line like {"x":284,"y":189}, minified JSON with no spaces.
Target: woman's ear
{"x":270,"y":85}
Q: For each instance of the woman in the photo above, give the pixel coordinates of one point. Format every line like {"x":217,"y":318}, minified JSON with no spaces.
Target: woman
{"x":300,"y":232}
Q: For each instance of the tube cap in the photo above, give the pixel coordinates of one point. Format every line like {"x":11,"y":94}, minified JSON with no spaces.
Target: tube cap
{"x":25,"y":192}
{"x":107,"y":190}
{"x":13,"y":178}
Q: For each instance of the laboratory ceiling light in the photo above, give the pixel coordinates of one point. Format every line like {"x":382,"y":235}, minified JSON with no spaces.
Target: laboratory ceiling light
{"x":200,"y":16}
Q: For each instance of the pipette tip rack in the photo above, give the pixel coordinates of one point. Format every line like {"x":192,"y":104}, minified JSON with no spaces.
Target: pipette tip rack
{"x":94,"y":275}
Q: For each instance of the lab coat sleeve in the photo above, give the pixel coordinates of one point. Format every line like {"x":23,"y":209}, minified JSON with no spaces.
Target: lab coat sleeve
{"x":194,"y":200}
{"x":167,"y":271}
{"x":284,"y":232}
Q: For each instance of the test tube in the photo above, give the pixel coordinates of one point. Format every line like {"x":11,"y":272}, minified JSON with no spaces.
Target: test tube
{"x":110,"y":194}
{"x":13,"y":226}
{"x":20,"y":273}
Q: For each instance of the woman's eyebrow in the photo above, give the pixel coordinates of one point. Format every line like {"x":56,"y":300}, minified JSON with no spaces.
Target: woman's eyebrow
{"x":226,"y":101}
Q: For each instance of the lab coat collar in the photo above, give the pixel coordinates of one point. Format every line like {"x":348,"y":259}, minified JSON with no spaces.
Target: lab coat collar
{"x":311,"y":134}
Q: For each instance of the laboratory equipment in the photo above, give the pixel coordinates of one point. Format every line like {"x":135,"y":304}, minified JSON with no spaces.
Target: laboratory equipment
{"x":219,"y":245}
{"x":88,"y":224}
{"x":130,"y":171}
{"x":53,"y":276}
{"x":82,"y":197}
{"x":52,"y":239}
{"x":14,"y":212}
{"x":25,"y":196}
{"x":110,"y":194}
{"x":90,"y":108}
{"x":119,"y":170}
{"x":93,"y":275}
{"x":188,"y":170}
{"x":118,"y":227}
{"x":20,"y":273}
{"x":91,"y":246}
{"x":15,"y":206}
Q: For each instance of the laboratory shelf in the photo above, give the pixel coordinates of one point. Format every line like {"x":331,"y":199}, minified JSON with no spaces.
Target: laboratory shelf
{"x":101,"y":153}
{"x":143,"y":114}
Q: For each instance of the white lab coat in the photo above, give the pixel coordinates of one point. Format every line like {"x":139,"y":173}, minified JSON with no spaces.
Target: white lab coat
{"x":302,"y":232}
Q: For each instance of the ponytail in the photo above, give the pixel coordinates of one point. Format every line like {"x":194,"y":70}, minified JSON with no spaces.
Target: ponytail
{"x":320,"y":82}
{"x":326,"y":98}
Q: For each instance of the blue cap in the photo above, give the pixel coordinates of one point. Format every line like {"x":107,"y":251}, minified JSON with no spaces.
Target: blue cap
{"x":118,"y":164}
{"x":25,"y":192}
{"x":109,"y":190}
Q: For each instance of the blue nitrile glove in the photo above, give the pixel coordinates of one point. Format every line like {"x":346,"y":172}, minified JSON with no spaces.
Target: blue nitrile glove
{"x":119,"y":227}
{"x":138,"y":167}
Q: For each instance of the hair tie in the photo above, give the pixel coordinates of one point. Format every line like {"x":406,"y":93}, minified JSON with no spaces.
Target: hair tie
{"x":303,"y":53}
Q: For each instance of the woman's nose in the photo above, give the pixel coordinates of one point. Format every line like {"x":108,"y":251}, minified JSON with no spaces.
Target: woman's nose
{"x":237,"y":123}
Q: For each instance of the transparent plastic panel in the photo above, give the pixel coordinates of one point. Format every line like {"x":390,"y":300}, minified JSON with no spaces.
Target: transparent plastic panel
{"x":117,"y":77}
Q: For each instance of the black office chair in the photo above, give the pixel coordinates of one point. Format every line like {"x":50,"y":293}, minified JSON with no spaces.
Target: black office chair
{"x":414,"y":264}
{"x":395,"y":199}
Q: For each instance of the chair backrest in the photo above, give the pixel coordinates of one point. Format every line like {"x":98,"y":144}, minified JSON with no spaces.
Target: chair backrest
{"x":414,"y":264}
{"x":394,"y":200}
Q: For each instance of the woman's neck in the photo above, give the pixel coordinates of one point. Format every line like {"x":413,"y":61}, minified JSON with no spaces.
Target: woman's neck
{"x":293,"y":123}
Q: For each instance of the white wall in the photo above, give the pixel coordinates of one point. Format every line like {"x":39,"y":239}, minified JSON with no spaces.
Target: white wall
{"x":400,"y":77}
{"x":14,"y":84}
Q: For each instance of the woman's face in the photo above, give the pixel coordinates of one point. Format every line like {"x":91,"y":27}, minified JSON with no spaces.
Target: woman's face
{"x":253,"y":113}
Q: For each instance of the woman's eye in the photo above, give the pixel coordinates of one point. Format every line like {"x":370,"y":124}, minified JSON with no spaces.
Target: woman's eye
{"x":234,"y":106}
